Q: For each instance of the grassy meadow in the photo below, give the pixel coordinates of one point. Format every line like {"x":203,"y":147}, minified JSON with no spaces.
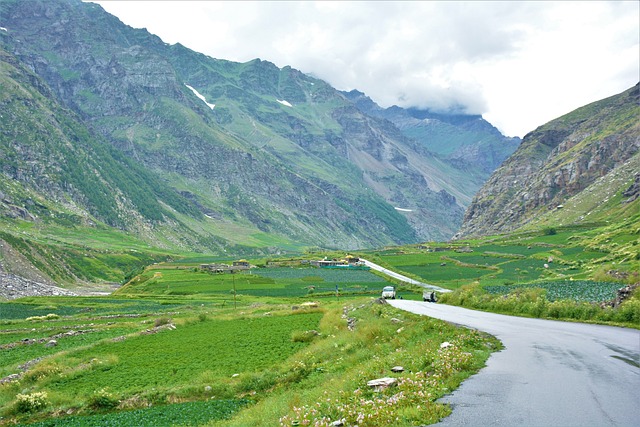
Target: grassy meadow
{"x":288,"y":344}
{"x":169,"y":279}
{"x":192,"y":360}
{"x":565,"y":273}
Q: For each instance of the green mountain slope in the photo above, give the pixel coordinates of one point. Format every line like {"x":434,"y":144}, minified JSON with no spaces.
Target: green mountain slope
{"x":280,"y":155}
{"x":573,"y":170}
{"x":47,"y":150}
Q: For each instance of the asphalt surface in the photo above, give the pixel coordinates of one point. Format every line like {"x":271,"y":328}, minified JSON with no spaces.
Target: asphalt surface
{"x":549,"y":374}
{"x":403,"y":278}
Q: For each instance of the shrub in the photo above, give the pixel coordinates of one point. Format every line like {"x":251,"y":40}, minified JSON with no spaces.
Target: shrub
{"x":160,"y":321}
{"x":50,"y":316}
{"x":629,"y":311}
{"x":41,"y":371}
{"x":303,"y":336}
{"x":31,"y":402}
{"x":102,"y":399}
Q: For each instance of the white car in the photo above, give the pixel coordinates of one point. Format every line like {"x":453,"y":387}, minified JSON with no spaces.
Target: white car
{"x":389,"y":292}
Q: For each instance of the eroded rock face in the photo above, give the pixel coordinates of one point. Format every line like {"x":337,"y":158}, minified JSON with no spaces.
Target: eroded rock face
{"x":633,"y":192}
{"x":13,"y":286}
{"x":555,"y":162}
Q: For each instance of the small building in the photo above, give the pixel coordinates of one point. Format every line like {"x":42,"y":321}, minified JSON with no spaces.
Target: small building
{"x":215,"y":268}
{"x":328,"y":263}
{"x":226,"y":268}
{"x":241,"y":263}
{"x":352,"y":260}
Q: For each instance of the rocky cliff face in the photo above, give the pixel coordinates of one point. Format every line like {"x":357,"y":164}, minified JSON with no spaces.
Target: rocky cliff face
{"x":469,"y":146}
{"x":556,"y":162}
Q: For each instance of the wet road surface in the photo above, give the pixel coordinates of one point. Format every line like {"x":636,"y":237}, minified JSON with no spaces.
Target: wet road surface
{"x":402,"y":277}
{"x":549,"y":374}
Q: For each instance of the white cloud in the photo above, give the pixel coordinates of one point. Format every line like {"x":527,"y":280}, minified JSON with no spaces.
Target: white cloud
{"x":518,"y":63}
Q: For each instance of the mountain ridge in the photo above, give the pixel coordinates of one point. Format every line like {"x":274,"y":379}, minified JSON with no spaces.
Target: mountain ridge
{"x":341,"y":174}
{"x":558,"y":161}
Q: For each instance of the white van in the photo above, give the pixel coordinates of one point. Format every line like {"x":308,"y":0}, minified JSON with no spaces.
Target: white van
{"x":389,"y":292}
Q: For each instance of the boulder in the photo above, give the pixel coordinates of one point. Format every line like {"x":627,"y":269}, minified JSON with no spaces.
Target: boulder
{"x":382,"y":383}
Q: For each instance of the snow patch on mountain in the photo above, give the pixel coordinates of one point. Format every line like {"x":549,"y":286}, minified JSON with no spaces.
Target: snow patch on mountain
{"x":196,"y":93}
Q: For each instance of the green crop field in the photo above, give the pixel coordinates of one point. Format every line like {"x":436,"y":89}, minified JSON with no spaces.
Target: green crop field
{"x":65,"y":306}
{"x":135,"y":352}
{"x":180,"y":361}
{"x":266,"y":282}
{"x":578,"y":290}
{"x":213,"y":347}
{"x":181,"y":414}
{"x":495,"y":264}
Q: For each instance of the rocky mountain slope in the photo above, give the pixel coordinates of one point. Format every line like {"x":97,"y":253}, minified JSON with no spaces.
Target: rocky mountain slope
{"x":467,"y":147}
{"x":203,"y":154}
{"x":566,"y":171}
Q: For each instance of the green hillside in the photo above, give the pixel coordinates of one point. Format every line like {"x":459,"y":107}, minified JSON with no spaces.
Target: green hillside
{"x":222,"y":155}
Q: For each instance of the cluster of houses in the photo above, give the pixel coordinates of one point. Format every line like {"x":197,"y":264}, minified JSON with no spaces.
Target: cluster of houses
{"x":240,"y":265}
{"x":348,"y":262}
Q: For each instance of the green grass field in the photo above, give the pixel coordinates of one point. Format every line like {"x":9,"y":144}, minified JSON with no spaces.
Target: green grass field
{"x":181,"y":361}
{"x":514,"y":260}
{"x":257,"y":282}
{"x":218,"y":348}
{"x":180,"y":346}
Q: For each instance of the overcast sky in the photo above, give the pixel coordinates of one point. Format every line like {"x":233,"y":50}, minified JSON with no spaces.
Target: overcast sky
{"x":519,"y":64}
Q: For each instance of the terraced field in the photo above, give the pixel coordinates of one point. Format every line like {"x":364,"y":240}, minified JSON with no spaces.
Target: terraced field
{"x":492,"y":264}
{"x":257,"y":282}
{"x":191,"y":361}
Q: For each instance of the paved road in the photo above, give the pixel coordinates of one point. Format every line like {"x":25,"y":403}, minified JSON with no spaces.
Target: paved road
{"x":401,"y":277}
{"x":549,"y":374}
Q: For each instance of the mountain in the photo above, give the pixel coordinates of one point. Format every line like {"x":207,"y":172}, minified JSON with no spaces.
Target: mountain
{"x":274,"y":152}
{"x":580,"y":168}
{"x":120,"y":149}
{"x":465,"y":149}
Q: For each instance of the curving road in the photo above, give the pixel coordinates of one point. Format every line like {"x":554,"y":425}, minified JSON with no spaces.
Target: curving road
{"x":549,"y":374}
{"x":401,"y":277}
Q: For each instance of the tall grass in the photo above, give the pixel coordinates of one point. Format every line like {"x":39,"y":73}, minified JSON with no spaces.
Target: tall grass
{"x":533,"y":301}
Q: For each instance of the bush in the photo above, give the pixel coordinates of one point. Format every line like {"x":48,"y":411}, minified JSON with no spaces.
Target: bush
{"x":303,"y":336}
{"x":102,"y":399}
{"x":629,"y":311}
{"x":161,"y":321}
{"x":50,"y":316}
{"x":41,"y":371}
{"x":31,"y":402}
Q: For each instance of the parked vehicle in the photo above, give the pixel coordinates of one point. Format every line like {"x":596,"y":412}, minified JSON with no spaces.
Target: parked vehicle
{"x":429,"y":296}
{"x":389,"y":292}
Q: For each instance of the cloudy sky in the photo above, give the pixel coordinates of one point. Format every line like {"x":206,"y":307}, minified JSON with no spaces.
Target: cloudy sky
{"x":519,"y":64}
